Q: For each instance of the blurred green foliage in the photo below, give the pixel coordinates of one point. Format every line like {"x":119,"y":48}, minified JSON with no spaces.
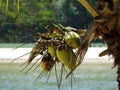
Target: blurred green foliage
{"x":21,"y":19}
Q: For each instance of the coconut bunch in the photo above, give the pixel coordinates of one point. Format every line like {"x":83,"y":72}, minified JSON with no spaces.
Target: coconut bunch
{"x":59,"y":45}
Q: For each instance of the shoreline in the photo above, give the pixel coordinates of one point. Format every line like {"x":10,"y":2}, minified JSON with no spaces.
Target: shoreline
{"x":9,"y":60}
{"x":8,"y":54}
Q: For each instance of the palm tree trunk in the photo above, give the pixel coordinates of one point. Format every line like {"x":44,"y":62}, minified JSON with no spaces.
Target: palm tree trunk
{"x":118,"y":77}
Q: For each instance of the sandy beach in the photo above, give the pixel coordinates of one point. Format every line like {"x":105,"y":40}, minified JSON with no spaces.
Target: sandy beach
{"x":8,"y":54}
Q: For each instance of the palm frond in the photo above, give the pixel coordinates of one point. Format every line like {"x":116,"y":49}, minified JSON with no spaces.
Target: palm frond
{"x":93,"y":11}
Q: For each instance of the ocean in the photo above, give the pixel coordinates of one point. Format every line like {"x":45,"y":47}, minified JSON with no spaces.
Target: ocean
{"x":88,"y":76}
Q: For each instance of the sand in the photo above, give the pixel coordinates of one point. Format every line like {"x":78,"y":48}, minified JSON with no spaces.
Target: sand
{"x":92,"y":55}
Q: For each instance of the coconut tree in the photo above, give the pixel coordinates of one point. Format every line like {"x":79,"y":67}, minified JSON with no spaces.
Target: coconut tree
{"x":106,"y":26}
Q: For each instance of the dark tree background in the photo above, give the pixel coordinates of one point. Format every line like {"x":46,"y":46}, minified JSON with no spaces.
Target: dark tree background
{"x":33,"y":15}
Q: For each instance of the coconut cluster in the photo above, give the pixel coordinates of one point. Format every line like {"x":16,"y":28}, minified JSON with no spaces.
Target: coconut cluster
{"x":57,"y":45}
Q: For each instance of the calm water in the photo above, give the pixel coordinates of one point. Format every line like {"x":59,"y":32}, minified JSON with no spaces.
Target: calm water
{"x":88,"y":76}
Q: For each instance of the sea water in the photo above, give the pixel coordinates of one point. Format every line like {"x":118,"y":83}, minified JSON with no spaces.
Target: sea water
{"x":88,"y":76}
